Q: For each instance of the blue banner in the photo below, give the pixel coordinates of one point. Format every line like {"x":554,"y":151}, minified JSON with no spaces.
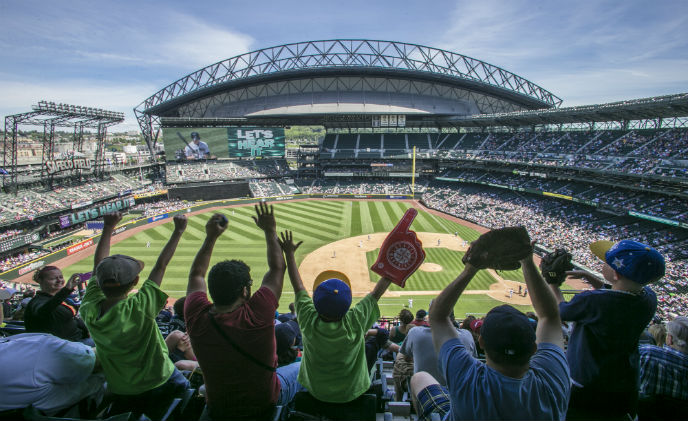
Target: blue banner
{"x":158,"y":217}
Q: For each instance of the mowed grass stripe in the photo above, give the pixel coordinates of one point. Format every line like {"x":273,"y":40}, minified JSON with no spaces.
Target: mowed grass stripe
{"x":307,"y":225}
{"x":394,"y":212}
{"x":316,"y":206}
{"x":366,"y":219}
{"x":246,"y":230}
{"x":332,"y":223}
{"x":304,"y":207}
{"x":375,"y":222}
{"x":379,"y":215}
{"x":355,"y":218}
{"x":430,"y":220}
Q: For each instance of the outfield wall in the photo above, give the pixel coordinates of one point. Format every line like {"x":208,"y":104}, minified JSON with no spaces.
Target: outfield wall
{"x":15,"y":273}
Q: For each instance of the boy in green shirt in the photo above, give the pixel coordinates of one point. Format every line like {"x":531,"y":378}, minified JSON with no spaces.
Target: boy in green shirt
{"x":129,"y":344}
{"x":333,"y":368}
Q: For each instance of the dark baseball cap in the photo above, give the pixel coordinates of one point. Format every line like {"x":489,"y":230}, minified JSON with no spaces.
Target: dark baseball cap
{"x":633,"y":260}
{"x":506,"y":332}
{"x":195,"y":136}
{"x":118,"y":270}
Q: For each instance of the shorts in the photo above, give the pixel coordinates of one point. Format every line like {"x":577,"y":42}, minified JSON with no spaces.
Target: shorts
{"x":434,"y":398}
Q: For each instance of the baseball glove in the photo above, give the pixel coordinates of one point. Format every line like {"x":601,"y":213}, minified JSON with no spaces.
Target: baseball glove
{"x":554,"y":266}
{"x":499,"y":249}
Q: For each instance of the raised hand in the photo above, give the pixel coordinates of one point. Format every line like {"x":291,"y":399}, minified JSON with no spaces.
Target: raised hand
{"x":216,"y":225}
{"x":180,"y":223}
{"x":73,"y":281}
{"x":401,"y":253}
{"x":286,"y":241}
{"x":265,"y":217}
{"x":112,"y":219}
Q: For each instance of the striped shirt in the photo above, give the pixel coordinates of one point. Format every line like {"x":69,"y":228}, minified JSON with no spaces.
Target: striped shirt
{"x":663,"y":371}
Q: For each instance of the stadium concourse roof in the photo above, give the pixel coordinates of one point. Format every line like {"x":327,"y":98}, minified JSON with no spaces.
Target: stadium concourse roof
{"x":668,"y":106}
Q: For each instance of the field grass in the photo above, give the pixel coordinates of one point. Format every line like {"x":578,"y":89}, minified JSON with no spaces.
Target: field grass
{"x":450,"y":260}
{"x":317,"y":223}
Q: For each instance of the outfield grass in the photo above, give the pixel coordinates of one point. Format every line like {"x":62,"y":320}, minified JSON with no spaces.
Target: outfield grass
{"x":450,"y":260}
{"x":317,"y":223}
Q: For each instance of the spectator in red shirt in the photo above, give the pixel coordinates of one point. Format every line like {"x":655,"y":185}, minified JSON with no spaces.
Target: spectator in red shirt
{"x":420,"y":318}
{"x":234,"y":336}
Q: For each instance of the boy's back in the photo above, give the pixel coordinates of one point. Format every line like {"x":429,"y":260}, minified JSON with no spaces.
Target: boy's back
{"x":129,"y":344}
{"x":334,"y":366}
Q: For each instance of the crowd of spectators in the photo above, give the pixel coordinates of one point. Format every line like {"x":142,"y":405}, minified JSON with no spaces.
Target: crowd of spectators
{"x":566,"y":224}
{"x":13,"y":261}
{"x":159,"y":207}
{"x":234,"y":170}
{"x":614,"y":198}
{"x":29,"y":204}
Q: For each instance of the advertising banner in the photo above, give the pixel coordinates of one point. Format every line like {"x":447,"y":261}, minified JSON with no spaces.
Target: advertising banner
{"x":654,"y":218}
{"x":560,"y":196}
{"x":158,"y":217}
{"x":79,"y":246}
{"x":31,"y":267}
{"x":95,"y":212}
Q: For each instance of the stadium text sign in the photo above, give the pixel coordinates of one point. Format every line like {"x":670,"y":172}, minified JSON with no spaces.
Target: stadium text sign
{"x":253,"y":141}
{"x":95,"y":212}
{"x":55,"y":166}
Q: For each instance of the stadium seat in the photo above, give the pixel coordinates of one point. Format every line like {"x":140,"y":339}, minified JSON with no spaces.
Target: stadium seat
{"x":33,"y":414}
{"x":171,"y":409}
{"x":308,"y":407}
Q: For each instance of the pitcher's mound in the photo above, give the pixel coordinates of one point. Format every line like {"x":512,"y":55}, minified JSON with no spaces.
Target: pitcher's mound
{"x":430,"y":267}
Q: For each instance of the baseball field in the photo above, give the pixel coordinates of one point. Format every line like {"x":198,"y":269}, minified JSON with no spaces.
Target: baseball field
{"x":338,"y":234}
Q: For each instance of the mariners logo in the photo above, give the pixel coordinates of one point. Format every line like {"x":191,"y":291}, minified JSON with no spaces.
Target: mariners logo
{"x":402,"y":255}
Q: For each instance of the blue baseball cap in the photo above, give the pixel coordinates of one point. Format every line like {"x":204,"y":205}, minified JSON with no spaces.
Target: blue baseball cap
{"x":633,"y":260}
{"x":332,"y":298}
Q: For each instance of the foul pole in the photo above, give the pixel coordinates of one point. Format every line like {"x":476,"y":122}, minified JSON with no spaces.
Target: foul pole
{"x":413,"y":173}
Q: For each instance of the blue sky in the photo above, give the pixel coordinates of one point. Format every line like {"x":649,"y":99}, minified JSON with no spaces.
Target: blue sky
{"x":115,"y":54}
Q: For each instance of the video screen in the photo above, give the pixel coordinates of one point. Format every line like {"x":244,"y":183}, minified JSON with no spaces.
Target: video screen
{"x":184,"y":144}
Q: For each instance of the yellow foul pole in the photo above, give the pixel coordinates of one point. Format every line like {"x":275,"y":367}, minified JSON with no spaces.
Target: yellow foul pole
{"x":413,"y":173}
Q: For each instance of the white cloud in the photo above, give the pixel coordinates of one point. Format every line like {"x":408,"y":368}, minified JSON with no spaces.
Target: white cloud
{"x":583,"y":52}
{"x":195,"y":44}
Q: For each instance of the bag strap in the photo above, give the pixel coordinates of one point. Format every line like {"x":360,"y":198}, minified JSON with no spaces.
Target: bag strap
{"x":236,"y":347}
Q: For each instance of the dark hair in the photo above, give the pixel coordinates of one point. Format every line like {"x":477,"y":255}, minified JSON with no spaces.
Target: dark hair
{"x":420,"y":314}
{"x":466,"y":324}
{"x":179,"y":307}
{"x":38,"y":275}
{"x":405,"y":316}
{"x":227,"y":279}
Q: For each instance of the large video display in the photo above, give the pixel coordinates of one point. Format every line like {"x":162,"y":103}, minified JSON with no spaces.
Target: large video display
{"x":193,"y":144}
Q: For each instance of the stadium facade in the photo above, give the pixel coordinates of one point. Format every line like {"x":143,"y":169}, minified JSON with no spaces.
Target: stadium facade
{"x":343,"y":82}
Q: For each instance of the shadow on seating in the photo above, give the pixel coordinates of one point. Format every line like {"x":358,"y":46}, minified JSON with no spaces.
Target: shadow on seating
{"x":307,"y":407}
{"x":662,"y":408}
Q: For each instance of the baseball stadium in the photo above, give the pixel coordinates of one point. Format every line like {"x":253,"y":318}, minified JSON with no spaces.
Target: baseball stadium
{"x":341,"y":137}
